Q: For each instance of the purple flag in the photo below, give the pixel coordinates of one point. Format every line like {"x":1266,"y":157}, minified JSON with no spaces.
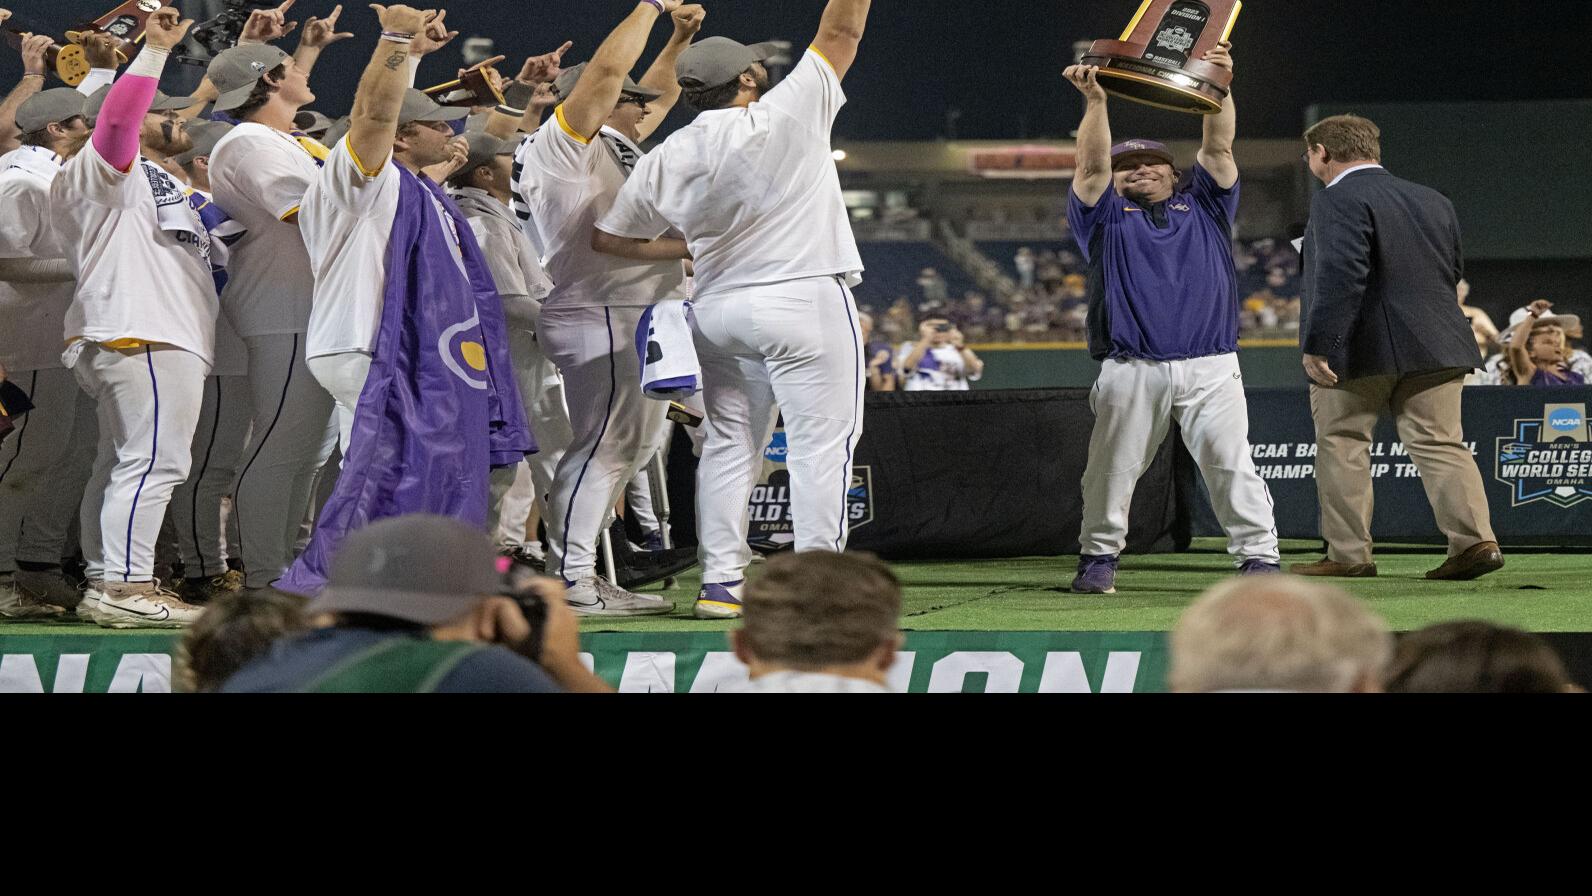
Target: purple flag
{"x":441,"y":406}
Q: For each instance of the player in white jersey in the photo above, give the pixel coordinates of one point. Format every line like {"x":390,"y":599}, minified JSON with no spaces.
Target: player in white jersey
{"x":260,"y":172}
{"x":140,"y":331}
{"x":482,"y":190}
{"x":46,"y":463}
{"x":752,"y":184}
{"x":570,"y":171}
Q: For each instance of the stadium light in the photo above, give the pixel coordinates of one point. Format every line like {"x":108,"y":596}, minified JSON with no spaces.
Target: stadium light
{"x":838,"y":155}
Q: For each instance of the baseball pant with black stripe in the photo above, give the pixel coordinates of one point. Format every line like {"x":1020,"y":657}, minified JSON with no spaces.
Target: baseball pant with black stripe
{"x":796,"y":343}
{"x":542,"y":391}
{"x":289,"y":444}
{"x":148,"y":401}
{"x":44,"y":466}
{"x":614,"y":427}
{"x":203,"y":542}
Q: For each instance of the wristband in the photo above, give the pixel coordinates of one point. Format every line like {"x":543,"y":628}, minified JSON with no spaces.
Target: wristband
{"x":398,"y":37}
{"x":505,"y":109}
{"x":656,"y":4}
{"x":150,"y":63}
{"x":33,"y":75}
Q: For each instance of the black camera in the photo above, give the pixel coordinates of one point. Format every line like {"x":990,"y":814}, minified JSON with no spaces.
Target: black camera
{"x":222,"y":32}
{"x":942,"y":328}
{"x":519,"y":585}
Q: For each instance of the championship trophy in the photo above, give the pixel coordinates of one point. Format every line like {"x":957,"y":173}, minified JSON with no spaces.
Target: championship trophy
{"x":1158,"y":59}
{"x":125,"y":23}
{"x":472,"y":88}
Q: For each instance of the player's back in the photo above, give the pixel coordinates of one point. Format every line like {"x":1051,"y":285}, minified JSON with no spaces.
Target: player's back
{"x":755,"y":191}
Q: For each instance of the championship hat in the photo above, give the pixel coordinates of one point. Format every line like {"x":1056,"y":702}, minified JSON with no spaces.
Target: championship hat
{"x":162,"y":103}
{"x":1570,"y":323}
{"x":484,"y":148}
{"x":564,"y":85}
{"x":49,"y":107}
{"x":236,"y":72}
{"x":1143,"y":148}
{"x":421,"y":568}
{"x":419,"y":107}
{"x":714,"y":61}
{"x":205,"y":135}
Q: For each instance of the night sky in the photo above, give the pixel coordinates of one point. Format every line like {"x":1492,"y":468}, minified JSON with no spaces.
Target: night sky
{"x":999,"y":61}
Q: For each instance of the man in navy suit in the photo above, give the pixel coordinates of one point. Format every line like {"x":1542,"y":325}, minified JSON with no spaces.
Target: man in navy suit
{"x":1382,"y":262}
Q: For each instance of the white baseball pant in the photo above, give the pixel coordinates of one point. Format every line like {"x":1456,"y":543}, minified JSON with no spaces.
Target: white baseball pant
{"x":542,"y":392}
{"x":614,"y":427}
{"x":1135,"y":402}
{"x":148,"y":401}
{"x":206,"y":534}
{"x":44,"y":466}
{"x":289,"y":444}
{"x":343,"y":376}
{"x":638,"y":494}
{"x":797,"y":343}
{"x":512,"y":508}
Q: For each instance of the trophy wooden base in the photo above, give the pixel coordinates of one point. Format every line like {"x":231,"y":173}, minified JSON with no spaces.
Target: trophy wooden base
{"x":1197,"y":87}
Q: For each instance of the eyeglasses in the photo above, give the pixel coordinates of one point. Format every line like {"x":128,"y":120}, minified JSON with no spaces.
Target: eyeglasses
{"x":633,"y":100}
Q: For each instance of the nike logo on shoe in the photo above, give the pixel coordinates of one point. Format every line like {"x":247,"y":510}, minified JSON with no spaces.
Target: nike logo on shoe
{"x":164,"y":613}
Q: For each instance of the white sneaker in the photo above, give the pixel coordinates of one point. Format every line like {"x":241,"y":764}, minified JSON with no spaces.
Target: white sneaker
{"x":17,"y":603}
{"x":596,"y":596}
{"x":88,"y":608}
{"x":143,"y":605}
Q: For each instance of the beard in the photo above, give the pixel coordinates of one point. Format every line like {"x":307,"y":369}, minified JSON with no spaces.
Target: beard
{"x":171,"y":139}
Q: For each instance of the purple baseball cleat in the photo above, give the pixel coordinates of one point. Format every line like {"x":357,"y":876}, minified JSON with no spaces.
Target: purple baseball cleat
{"x":1096,"y":575}
{"x":1253,"y":567}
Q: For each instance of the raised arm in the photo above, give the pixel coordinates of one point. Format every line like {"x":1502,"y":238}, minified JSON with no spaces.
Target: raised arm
{"x":1216,"y":150}
{"x":33,"y":49}
{"x":374,"y":121}
{"x":528,"y":95}
{"x":593,"y":99}
{"x":116,"y":131}
{"x":1093,"y":175}
{"x":840,"y":33}
{"x":661,"y":76}
{"x":318,"y":34}
{"x":1518,"y":342}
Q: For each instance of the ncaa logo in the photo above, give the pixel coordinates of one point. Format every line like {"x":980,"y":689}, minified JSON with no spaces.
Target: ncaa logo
{"x":1565,"y":420}
{"x":777,"y":448}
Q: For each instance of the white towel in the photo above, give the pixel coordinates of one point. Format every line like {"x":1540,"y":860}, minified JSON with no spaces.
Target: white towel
{"x":669,"y":367}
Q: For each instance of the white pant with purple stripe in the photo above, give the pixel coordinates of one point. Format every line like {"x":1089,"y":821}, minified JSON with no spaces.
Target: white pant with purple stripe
{"x":615,"y":428}
{"x":148,"y":407}
{"x":206,"y":535}
{"x":43,"y":468}
{"x":798,"y":344}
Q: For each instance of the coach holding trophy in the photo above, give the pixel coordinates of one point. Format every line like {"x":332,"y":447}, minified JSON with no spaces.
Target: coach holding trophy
{"x":1382,"y":330}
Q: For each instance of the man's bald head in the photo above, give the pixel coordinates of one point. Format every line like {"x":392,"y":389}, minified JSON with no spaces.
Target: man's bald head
{"x":1278,"y":633}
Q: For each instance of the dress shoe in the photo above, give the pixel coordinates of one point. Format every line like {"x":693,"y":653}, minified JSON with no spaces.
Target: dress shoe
{"x":1473,"y":564}
{"x":1334,"y":569}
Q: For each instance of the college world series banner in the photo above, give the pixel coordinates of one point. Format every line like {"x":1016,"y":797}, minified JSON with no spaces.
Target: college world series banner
{"x":1533,"y":446}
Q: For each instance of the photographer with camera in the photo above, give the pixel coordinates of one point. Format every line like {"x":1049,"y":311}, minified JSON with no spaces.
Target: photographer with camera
{"x":938,"y":361}
{"x":415,"y":604}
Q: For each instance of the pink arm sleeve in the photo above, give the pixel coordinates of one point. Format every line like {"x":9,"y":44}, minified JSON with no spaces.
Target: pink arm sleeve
{"x":122,"y":118}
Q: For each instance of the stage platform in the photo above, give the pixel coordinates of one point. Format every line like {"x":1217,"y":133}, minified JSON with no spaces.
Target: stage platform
{"x":987,"y":626}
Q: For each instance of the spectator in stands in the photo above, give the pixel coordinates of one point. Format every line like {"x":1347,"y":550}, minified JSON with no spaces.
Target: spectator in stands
{"x":938,"y":361}
{"x":1476,"y":658}
{"x":819,"y":622}
{"x":1278,"y":633}
{"x":234,"y":630}
{"x":933,"y":287}
{"x":1027,"y":266}
{"x":881,"y":366}
{"x":416,"y":605}
{"x":1480,"y":322}
{"x":1538,"y":350}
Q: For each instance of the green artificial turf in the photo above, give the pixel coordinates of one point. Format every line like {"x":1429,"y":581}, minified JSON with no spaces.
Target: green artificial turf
{"x":1538,"y":591}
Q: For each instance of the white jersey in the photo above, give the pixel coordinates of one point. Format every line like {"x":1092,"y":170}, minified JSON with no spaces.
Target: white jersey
{"x":754,"y":190}
{"x":519,"y":278}
{"x":232,"y":353}
{"x":141,"y":254}
{"x":260,"y":175}
{"x":793,"y":682}
{"x":565,"y":183}
{"x":33,"y":314}
{"x":940,"y":370}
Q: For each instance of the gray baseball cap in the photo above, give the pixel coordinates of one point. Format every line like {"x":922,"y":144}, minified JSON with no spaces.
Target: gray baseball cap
{"x":162,"y":103}
{"x":484,"y":148}
{"x":714,"y":61}
{"x":205,"y":135}
{"x":419,"y":107}
{"x":564,"y":85}
{"x":422,"y":568}
{"x":236,"y":72}
{"x":336,"y":132}
{"x":50,"y":106}
{"x":312,"y":123}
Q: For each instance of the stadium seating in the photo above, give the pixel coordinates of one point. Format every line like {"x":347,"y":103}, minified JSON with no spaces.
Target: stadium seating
{"x":893,"y":268}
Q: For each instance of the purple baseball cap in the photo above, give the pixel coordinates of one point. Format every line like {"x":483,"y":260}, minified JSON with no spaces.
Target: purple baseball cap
{"x":1143,"y":148}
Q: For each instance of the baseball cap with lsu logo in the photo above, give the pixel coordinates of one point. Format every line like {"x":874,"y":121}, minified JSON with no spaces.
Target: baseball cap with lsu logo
{"x":715,"y":61}
{"x":564,"y":85}
{"x":205,"y":134}
{"x":419,"y":107}
{"x":50,"y":107}
{"x":1142,"y":148}
{"x":236,"y":72}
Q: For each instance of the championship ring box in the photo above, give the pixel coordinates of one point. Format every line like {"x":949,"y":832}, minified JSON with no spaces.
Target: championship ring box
{"x":1157,"y":61}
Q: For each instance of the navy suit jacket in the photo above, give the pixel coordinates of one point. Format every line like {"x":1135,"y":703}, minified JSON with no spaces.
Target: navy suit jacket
{"x":1381,"y":265}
